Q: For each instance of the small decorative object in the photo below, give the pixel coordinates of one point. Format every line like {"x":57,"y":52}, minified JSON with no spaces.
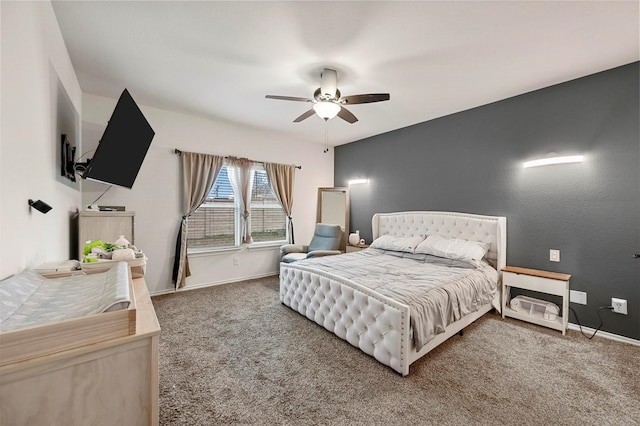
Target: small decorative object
{"x":122,"y":241}
{"x":354,"y":238}
{"x":362,"y":242}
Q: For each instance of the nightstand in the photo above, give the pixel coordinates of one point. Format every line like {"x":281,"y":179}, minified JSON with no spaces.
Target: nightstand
{"x":351,"y":249}
{"x":542,"y":281}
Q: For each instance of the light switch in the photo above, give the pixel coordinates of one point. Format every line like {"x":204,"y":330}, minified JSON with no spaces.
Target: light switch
{"x":554,"y":255}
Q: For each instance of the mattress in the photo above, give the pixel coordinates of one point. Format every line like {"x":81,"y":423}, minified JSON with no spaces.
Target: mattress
{"x":437,"y":292}
{"x":28,"y":299}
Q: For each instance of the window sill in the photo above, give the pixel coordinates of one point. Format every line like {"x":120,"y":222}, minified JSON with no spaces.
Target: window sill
{"x":213,"y":251}
{"x":269,"y":245}
{"x":265,"y":245}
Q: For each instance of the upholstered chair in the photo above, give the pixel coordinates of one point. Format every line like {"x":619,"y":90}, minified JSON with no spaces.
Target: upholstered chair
{"x":326,"y":241}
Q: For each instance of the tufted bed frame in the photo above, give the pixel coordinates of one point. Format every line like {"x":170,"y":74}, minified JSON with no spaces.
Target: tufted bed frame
{"x":376,"y":324}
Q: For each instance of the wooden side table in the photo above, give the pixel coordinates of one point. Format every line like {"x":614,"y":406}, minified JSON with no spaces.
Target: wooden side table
{"x":542,"y":281}
{"x":358,"y":247}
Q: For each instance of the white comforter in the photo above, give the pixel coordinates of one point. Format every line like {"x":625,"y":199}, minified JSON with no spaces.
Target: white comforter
{"x":437,"y":294}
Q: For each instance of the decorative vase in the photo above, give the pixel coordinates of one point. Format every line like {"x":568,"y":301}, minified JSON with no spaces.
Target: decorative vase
{"x":354,"y":239}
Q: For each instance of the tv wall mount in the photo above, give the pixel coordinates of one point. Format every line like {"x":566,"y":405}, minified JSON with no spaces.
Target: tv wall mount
{"x":67,"y":158}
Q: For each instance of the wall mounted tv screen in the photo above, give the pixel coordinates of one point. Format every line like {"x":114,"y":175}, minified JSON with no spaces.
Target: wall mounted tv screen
{"x":123,"y":146}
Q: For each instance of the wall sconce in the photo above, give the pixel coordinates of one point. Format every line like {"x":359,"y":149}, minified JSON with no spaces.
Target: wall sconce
{"x":40,"y":205}
{"x":358,"y":181}
{"x":554,"y":160}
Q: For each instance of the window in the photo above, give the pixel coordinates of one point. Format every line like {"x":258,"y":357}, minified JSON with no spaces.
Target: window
{"x":268,"y":221}
{"x":216,"y":223}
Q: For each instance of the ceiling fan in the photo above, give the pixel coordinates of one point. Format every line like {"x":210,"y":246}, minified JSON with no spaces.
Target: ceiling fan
{"x":328,"y":101}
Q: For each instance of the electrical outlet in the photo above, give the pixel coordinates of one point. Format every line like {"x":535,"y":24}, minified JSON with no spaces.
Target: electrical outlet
{"x":619,"y":305}
{"x":236,"y":261}
{"x":579,"y":297}
{"x":554,"y":255}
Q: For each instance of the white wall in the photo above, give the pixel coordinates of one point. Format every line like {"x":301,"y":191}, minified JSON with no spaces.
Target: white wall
{"x":34,"y":60}
{"x":35,"y":63}
{"x":156,"y":194}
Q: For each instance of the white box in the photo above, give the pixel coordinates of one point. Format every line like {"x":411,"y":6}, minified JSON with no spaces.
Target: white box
{"x":535,"y":307}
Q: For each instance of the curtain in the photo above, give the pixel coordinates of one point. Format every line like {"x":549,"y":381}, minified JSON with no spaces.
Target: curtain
{"x":199,"y":171}
{"x":281,"y":178}
{"x":241,"y":178}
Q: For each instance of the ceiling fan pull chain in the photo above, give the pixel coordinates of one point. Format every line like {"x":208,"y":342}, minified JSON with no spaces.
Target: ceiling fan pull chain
{"x":326,"y":136}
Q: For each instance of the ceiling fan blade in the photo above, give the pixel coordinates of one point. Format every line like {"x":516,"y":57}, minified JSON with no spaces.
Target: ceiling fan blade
{"x":346,"y":115}
{"x":305,"y":116}
{"x":365,"y":99}
{"x":288,"y":98}
{"x":329,"y":83}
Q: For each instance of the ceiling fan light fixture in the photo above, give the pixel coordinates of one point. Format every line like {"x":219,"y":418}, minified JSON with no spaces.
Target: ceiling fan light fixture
{"x":326,"y":109}
{"x":328,"y":102}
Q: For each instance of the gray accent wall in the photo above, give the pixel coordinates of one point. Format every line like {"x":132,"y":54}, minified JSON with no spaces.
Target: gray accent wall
{"x":472,"y":161}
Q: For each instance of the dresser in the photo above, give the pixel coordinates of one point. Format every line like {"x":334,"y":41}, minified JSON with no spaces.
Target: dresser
{"x":114,"y":381}
{"x":105,"y":226}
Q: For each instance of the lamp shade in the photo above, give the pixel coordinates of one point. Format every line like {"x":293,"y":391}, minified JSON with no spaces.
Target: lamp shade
{"x":326,"y":109}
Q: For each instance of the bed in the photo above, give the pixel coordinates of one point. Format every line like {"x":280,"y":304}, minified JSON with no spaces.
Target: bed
{"x":356,"y":297}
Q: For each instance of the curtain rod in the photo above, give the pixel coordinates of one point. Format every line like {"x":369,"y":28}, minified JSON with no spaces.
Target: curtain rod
{"x":177,"y":151}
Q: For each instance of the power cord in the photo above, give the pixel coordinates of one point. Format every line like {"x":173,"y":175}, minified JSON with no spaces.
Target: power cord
{"x":601,"y":322}
{"x":96,"y":200}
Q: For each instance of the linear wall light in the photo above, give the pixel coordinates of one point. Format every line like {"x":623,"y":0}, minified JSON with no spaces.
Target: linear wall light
{"x":358,"y":181}
{"x":554,"y":160}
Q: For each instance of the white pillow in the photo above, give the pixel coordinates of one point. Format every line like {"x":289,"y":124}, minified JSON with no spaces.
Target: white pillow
{"x":389,"y":242}
{"x":468,"y":251}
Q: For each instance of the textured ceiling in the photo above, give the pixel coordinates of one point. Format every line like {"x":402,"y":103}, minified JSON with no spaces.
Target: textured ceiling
{"x":219,"y":59}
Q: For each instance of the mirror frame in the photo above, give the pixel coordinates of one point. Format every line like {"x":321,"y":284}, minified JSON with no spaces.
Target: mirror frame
{"x":345,"y":191}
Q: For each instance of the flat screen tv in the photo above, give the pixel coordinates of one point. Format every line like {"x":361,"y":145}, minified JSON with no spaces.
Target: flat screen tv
{"x":123,"y":146}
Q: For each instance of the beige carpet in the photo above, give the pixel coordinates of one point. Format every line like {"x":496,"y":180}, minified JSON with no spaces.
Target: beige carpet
{"x":233,"y":354}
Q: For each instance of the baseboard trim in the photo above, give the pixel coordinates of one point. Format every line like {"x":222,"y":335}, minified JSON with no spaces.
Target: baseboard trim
{"x":605,"y":334}
{"x":212,"y":284}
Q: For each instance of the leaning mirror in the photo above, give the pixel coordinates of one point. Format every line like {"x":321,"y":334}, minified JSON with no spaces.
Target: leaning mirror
{"x":333,"y":208}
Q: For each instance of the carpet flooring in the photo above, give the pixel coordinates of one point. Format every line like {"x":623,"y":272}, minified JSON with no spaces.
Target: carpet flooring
{"x":232,"y":354}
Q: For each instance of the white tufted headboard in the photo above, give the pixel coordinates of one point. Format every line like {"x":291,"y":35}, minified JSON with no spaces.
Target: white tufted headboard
{"x":466,"y":226}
